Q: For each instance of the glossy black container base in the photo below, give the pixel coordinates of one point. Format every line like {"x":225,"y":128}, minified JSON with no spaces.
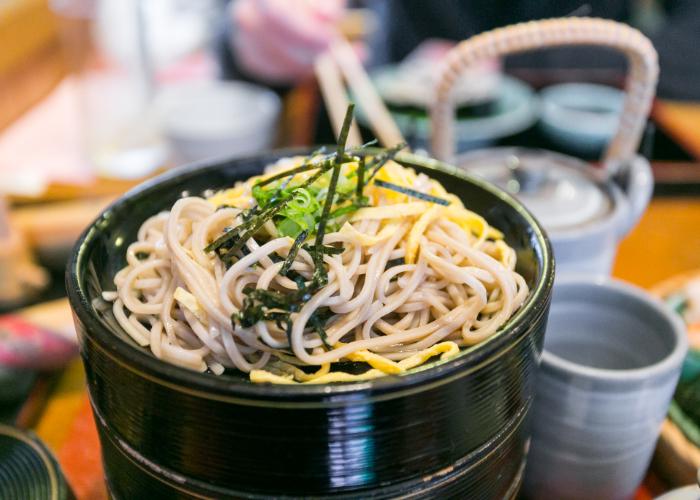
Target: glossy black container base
{"x":454,"y":429}
{"x":496,"y":474}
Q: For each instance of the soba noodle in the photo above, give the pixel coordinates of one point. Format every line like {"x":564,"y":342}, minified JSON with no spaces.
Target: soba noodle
{"x":415,"y":280}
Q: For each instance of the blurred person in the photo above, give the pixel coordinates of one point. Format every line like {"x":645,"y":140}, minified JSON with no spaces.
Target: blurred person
{"x":276,"y":41}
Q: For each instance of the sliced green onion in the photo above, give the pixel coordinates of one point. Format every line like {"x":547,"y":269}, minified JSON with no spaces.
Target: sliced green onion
{"x":339,"y":212}
{"x":238,"y":237}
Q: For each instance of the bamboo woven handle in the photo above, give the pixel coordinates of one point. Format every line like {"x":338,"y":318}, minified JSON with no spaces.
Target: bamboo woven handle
{"x":642,"y":74}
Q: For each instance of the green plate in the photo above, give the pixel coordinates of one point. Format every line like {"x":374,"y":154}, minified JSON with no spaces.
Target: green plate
{"x":515,"y":109}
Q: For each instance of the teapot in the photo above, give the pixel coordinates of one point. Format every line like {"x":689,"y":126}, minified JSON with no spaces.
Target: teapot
{"x":585,"y":209}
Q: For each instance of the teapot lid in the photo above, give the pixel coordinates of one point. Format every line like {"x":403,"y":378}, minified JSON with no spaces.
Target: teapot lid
{"x":561,"y":191}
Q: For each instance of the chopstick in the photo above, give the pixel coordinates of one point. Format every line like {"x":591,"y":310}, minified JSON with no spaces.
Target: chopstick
{"x":380,"y":120}
{"x":4,"y":219}
{"x":330,"y":82}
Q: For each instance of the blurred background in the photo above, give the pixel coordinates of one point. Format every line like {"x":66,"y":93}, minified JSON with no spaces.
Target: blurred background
{"x":99,"y":95}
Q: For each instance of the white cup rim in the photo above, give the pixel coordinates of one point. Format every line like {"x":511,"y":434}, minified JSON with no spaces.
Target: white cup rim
{"x":667,"y":364}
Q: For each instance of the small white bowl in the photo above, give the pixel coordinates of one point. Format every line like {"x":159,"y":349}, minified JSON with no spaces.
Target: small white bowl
{"x":210,"y":119}
{"x":581,"y":117}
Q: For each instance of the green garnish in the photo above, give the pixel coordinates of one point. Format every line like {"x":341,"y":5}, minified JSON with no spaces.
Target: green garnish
{"x":327,"y":249}
{"x":411,"y":192}
{"x":300,"y":214}
{"x":320,"y":275}
{"x":395,"y":262}
{"x":299,"y":211}
{"x":360,"y":179}
{"x":293,"y":251}
{"x":309,"y":165}
{"x":345,"y":130}
{"x":319,"y":325}
{"x":348,"y":209}
{"x":232,"y":241}
{"x":295,"y":218}
{"x":247,"y":216}
{"x":381,"y":159}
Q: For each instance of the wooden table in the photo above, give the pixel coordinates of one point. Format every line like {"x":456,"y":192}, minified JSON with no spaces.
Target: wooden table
{"x":666,"y":242}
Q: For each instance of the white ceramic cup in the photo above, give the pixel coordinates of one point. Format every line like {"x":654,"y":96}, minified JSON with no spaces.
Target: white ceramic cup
{"x":612,"y":357}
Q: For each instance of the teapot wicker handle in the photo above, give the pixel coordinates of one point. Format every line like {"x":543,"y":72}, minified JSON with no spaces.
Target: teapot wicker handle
{"x":642,"y":74}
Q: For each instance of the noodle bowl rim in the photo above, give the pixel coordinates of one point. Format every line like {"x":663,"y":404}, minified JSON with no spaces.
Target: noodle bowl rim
{"x":143,"y":363}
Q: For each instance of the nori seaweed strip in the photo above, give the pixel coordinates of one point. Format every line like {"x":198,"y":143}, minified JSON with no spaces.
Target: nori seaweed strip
{"x":228,"y":232}
{"x":247,"y":217}
{"x":239,"y":240}
{"x":399,"y":261}
{"x":344,"y":132}
{"x":320,"y":276}
{"x":285,"y":183}
{"x":275,"y":257}
{"x":383,"y":158}
{"x":310,"y":165}
{"x":360,"y":179}
{"x":270,"y":212}
{"x":411,"y":192}
{"x":248,"y":214}
{"x":293,"y":171}
{"x":293,"y":251}
{"x":221,"y":207}
{"x":327,"y":249}
{"x":288,"y":331}
{"x":318,"y":325}
{"x":376,"y":167}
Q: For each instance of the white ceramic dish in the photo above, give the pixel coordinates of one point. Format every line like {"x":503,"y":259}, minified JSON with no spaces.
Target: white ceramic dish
{"x":581,"y":117}
{"x":215,"y":119}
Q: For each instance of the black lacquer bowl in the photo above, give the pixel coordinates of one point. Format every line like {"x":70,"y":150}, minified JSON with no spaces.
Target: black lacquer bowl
{"x":455,"y":429}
